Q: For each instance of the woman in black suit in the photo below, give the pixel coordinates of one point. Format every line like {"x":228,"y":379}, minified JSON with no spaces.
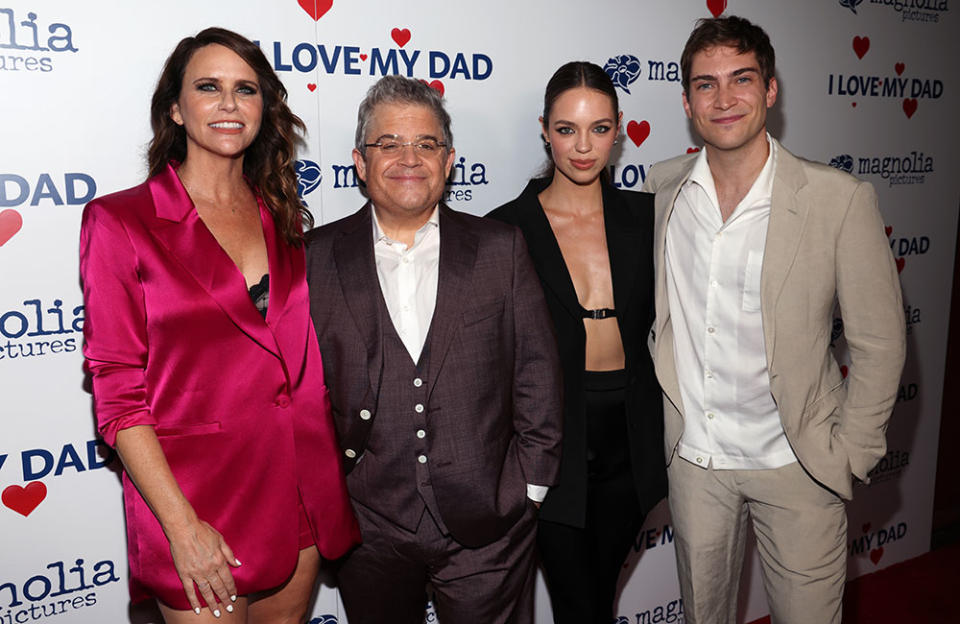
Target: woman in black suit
{"x":592,"y":246}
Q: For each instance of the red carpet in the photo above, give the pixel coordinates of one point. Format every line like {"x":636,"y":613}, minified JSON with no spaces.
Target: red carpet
{"x":924,"y":590}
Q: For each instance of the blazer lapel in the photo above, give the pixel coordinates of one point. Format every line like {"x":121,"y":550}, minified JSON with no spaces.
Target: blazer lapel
{"x":544,"y":249}
{"x":663,"y":356}
{"x":785,"y":229}
{"x":180,"y":229}
{"x":357,"y":271}
{"x":624,"y":248}
{"x":458,"y":253}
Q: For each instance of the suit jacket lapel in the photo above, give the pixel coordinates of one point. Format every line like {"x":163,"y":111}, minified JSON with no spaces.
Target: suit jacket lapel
{"x":787,"y":218}
{"x":458,"y":253}
{"x":666,"y":196}
{"x":357,"y":271}
{"x":180,"y":229}
{"x":624,"y":248}
{"x":544,"y":249}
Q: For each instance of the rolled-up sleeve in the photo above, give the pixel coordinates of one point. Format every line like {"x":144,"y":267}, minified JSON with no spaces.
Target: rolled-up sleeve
{"x":115,"y":323}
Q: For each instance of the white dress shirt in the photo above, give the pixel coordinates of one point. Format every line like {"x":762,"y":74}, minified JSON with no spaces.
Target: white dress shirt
{"x":408,"y":280}
{"x":713,"y":290}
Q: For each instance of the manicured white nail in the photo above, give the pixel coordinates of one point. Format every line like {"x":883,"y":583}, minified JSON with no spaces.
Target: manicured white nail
{"x":237,"y":561}
{"x":229,"y":608}
{"x":233,"y":598}
{"x":196,"y":610}
{"x":216,"y":613}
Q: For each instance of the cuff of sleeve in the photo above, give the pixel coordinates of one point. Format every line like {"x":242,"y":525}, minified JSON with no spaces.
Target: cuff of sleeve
{"x":537,"y":493}
{"x":109,"y":429}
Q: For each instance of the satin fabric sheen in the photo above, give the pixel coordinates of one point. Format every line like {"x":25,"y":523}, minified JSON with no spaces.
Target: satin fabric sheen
{"x":238,"y":402}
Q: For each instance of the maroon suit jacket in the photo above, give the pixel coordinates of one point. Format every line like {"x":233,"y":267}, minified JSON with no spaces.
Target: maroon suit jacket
{"x":238,"y":402}
{"x":494,"y":398}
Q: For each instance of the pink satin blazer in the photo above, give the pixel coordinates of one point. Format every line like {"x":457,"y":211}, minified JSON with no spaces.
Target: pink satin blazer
{"x":238,"y":402}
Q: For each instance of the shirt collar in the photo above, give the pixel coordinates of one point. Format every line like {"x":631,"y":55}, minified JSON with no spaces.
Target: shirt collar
{"x":432,"y":223}
{"x":762,"y":188}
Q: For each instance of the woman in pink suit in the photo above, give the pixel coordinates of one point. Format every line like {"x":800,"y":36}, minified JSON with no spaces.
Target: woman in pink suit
{"x":206,"y":373}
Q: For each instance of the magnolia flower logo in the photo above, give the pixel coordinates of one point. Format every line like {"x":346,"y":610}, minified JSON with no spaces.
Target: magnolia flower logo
{"x":623,"y":70}
{"x":308,"y":176}
{"x":843,"y":162}
{"x":850,"y":4}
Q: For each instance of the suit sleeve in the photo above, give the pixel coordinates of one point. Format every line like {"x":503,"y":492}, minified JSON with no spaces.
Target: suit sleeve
{"x":115,"y":323}
{"x":537,"y":386}
{"x":868,"y":288}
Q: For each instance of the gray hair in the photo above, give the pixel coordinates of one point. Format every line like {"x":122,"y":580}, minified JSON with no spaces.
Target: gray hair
{"x":400,"y":90}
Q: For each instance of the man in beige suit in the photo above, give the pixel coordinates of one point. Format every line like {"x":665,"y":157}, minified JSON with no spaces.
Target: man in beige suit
{"x":753,"y":248}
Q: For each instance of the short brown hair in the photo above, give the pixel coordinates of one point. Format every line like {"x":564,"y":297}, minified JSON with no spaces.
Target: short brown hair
{"x":731,"y":31}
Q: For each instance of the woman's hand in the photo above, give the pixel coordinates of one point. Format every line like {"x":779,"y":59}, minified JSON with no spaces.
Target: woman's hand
{"x":202,"y":557}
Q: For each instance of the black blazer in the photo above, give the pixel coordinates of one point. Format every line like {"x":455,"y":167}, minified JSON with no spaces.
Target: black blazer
{"x":628,"y":220}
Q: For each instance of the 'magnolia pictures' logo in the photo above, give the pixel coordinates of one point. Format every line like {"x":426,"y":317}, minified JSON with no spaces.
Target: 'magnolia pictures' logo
{"x":894,"y":169}
{"x":27,"y":45}
{"x":927,"y":11}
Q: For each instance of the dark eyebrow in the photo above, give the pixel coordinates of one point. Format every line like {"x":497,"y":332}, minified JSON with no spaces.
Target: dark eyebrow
{"x":737,"y":72}
{"x":592,"y":123}
{"x":397,"y":137}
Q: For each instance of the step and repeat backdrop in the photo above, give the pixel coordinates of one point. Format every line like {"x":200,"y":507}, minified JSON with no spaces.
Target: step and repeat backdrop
{"x":867,"y":86}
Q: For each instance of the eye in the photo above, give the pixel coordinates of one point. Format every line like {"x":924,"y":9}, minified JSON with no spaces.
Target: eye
{"x":602,"y":129}
{"x":703,"y":86}
{"x":427,"y":146}
{"x":206,"y":86}
{"x":389,"y":147}
{"x":744,"y":80}
{"x":247,"y":90}
{"x":564,"y":130}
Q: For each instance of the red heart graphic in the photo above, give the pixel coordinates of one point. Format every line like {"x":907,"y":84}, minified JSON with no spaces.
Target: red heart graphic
{"x":315,"y":8}
{"x":900,"y":263}
{"x":312,"y":86}
{"x":716,"y":6}
{"x":10,"y":224}
{"x":909,"y":107}
{"x":363,"y":57}
{"x":24,"y":500}
{"x":844,"y":370}
{"x":693,"y":150}
{"x":899,"y":68}
{"x":638,"y":132}
{"x":861,"y":45}
{"x":853,"y":104}
{"x":888,"y":230}
{"x":876,"y":554}
{"x":400,"y":36}
{"x":436,"y":85}
{"x":865,"y":527}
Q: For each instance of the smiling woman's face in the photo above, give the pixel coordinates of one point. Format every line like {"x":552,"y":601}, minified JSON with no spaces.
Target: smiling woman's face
{"x":220,"y":104}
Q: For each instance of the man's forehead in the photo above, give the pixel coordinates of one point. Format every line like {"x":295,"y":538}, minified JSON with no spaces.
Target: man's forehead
{"x":725,"y":54}
{"x":406,"y":115}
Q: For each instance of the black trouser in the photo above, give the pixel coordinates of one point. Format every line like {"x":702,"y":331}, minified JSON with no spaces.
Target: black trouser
{"x":582,"y":565}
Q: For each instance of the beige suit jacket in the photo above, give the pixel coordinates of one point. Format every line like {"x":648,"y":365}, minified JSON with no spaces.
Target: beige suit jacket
{"x":825,"y":243}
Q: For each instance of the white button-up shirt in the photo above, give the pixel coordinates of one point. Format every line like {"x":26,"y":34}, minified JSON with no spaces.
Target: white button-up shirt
{"x":713,"y":289}
{"x":408,"y":280}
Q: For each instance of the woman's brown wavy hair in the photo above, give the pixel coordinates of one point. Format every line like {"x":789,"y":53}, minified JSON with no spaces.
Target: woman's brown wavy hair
{"x":268,"y":162}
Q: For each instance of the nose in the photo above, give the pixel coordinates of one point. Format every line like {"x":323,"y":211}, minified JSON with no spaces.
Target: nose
{"x":228,"y":101}
{"x":584,"y":145}
{"x":409,"y":155}
{"x":725,"y":97}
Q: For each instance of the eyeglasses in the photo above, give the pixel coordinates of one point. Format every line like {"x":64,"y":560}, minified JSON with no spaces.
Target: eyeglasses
{"x":392,"y":147}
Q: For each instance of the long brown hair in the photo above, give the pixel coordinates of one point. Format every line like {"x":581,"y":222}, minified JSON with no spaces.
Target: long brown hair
{"x":268,"y":162}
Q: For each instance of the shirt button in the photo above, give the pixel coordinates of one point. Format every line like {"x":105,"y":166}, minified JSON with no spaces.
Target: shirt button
{"x":710,"y":330}
{"x":710,"y":415}
{"x":417,"y":382}
{"x":418,"y":408}
{"x":283,"y":401}
{"x":405,"y":260}
{"x":422,"y":459}
{"x":699,"y":460}
{"x":365,"y":414}
{"x":350,"y":453}
{"x":421,"y":433}
{"x":714,"y":283}
{"x":709,"y":375}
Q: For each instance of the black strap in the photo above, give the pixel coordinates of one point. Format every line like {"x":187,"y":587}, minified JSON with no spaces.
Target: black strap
{"x":600,"y":313}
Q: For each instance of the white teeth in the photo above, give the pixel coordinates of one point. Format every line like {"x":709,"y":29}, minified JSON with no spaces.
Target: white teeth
{"x":233,"y":125}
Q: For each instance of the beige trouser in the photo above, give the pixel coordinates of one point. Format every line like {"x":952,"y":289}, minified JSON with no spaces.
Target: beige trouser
{"x":801,"y":531}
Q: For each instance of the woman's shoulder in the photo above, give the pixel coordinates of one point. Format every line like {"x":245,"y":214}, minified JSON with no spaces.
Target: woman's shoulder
{"x":512,"y":211}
